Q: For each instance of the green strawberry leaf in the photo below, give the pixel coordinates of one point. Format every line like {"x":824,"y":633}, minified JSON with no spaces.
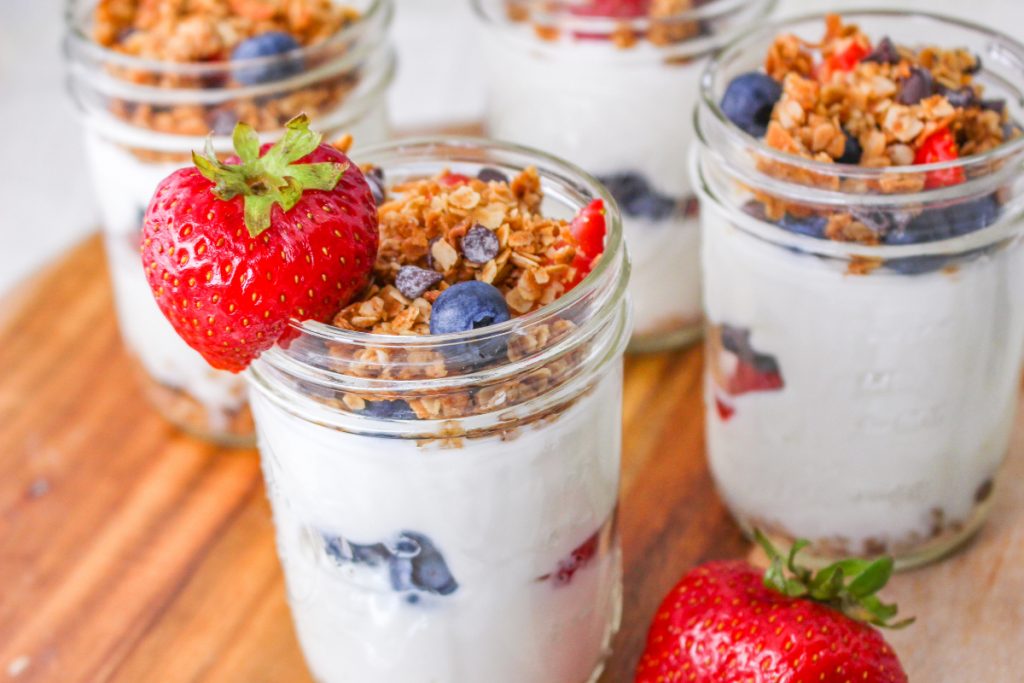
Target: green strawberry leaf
{"x":849,"y":586}
{"x":272,"y":179}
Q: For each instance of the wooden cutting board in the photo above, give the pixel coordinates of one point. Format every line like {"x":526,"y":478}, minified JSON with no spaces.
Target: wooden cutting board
{"x":130,"y":553}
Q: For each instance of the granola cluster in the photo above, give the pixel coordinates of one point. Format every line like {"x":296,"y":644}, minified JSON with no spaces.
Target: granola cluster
{"x":206,"y":31}
{"x":664,"y":20}
{"x":192,"y":31}
{"x":425,"y":227}
{"x":891,"y":99}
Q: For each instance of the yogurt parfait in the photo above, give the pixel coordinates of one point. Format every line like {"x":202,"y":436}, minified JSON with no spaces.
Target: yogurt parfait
{"x":152,"y":80}
{"x":439,"y":422}
{"x":611,"y":85}
{"x":864,"y":278}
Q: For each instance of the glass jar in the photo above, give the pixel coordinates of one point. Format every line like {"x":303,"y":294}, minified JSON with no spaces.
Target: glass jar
{"x":142,"y":120}
{"x":861,"y":397}
{"x":478,"y":545}
{"x":617,"y":98}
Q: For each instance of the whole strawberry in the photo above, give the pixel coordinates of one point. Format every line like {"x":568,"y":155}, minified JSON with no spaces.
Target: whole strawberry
{"x":233,"y":251}
{"x":728,"y":622}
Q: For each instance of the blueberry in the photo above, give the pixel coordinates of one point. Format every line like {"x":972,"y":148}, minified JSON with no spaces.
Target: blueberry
{"x":764,"y":363}
{"x":467,"y":306}
{"x":931,"y":225}
{"x":491,"y":175}
{"x":754,"y":208}
{"x":394,"y":410}
{"x":342,"y":552}
{"x":222,"y":121}
{"x":997,"y":105}
{"x":430,"y":572}
{"x":375,"y":179}
{"x":811,"y":226}
{"x":266,"y":45}
{"x":413,"y":281}
{"x":852,"y":151}
{"x":749,"y":100}
{"x":653,"y":206}
{"x":884,"y":53}
{"x":915,"y":87}
{"x":400,"y":573}
{"x":636,"y":197}
{"x":736,"y":340}
{"x":960,"y":97}
{"x":480,"y":245}
{"x":968,"y":217}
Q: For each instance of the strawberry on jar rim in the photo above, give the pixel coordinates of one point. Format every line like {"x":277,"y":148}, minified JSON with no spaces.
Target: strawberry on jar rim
{"x":729,"y":622}
{"x":235,"y":250}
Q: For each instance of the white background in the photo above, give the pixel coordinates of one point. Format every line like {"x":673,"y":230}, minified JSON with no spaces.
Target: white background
{"x":45,"y":203}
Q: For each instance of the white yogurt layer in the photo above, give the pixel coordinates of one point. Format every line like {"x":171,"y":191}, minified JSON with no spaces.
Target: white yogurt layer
{"x":899,"y":391}
{"x":124,"y":184}
{"x":503,"y":513}
{"x":609,"y":111}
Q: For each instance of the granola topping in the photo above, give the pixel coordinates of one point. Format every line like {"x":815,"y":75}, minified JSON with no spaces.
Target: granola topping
{"x":849,"y":100}
{"x":206,"y":32}
{"x":431,"y":239}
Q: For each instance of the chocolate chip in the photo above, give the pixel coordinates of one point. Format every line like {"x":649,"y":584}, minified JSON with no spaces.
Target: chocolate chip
{"x":480,"y":245}
{"x":413,"y":281}
{"x":884,"y":53}
{"x":492,"y":175}
{"x":960,"y":97}
{"x":915,"y":87}
{"x":375,"y":178}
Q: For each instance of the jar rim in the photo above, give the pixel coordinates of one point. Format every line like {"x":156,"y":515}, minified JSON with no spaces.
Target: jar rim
{"x":737,"y":136}
{"x":77,"y":40}
{"x":613,"y":257}
{"x":717,"y":10}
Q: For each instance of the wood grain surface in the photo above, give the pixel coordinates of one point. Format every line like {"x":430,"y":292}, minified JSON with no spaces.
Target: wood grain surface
{"x":130,"y":553}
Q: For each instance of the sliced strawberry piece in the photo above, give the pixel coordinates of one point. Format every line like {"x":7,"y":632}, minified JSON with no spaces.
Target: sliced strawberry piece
{"x":842,"y":61}
{"x":453,"y":179}
{"x":747,"y":378}
{"x":590,"y":228}
{"x":938,"y":147}
{"x":612,"y":9}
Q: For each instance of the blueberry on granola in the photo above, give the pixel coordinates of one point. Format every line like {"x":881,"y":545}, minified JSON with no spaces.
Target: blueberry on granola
{"x":466,"y":306}
{"x":413,"y":281}
{"x":480,"y":245}
{"x":884,"y":53}
{"x":265,"y":45}
{"x":491,"y":175}
{"x":916,"y":87}
{"x":852,"y":151}
{"x":749,"y":100}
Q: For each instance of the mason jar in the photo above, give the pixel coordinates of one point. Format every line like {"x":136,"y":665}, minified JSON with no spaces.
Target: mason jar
{"x":143,"y":119}
{"x":861,"y":397}
{"x":616,"y":96}
{"x":480,"y":546}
